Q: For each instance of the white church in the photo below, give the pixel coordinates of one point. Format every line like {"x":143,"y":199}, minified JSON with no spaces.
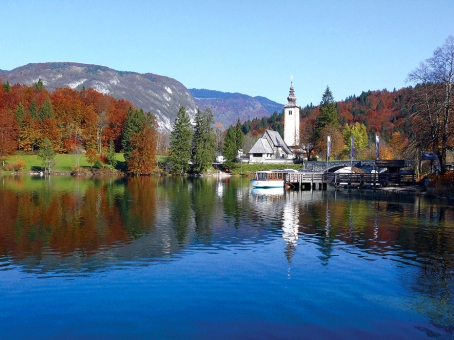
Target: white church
{"x":271,"y":147}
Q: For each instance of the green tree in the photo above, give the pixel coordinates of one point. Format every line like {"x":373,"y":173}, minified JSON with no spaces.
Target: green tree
{"x":229,"y":149}
{"x":7,"y":87}
{"x":46,"y":153}
{"x":134,"y":122}
{"x":20,"y":113}
{"x":239,"y":135}
{"x":110,"y":155}
{"x":33,"y":110}
{"x":204,"y":141}
{"x":328,"y":114}
{"x":181,"y":142}
{"x":359,"y":132}
{"x":46,"y":110}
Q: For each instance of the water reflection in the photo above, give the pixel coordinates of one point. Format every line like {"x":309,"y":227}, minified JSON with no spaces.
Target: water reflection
{"x":68,"y":225}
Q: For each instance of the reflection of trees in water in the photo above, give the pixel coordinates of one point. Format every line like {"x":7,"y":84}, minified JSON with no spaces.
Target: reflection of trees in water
{"x":84,"y":217}
{"x":233,"y":207}
{"x":203,"y":204}
{"x":180,"y":207}
{"x":434,"y":245}
{"x":416,"y":233}
{"x":138,"y":205}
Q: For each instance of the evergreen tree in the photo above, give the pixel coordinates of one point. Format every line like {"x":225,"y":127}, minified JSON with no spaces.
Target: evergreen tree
{"x":20,"y":113}
{"x":33,"y":110}
{"x":7,"y":87}
{"x":204,"y":141}
{"x":133,"y":125}
{"x":46,"y":153}
{"x":39,"y":85}
{"x":229,"y":149}
{"x":110,"y":155}
{"x":46,"y":110}
{"x":328,"y":113}
{"x":181,"y":142}
{"x":239,"y":136}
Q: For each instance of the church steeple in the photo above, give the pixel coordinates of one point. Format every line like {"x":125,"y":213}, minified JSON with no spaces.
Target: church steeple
{"x":291,"y":119}
{"x":291,"y":97}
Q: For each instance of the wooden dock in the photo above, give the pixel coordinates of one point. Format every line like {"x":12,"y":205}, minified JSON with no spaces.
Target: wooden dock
{"x":321,"y":180}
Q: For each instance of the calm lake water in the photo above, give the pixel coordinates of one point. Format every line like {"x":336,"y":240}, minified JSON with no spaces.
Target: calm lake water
{"x":205,"y":258}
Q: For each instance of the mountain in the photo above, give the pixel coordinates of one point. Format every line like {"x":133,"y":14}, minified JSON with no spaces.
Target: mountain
{"x":228,"y":107}
{"x":162,"y":96}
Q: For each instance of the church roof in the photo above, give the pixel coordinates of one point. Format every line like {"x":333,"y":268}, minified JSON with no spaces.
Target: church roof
{"x":262,"y":146}
{"x":277,"y":140}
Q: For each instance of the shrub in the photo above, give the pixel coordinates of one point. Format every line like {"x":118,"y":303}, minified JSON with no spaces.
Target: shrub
{"x":442,"y":185}
{"x":98,"y":164}
{"x":17,"y":166}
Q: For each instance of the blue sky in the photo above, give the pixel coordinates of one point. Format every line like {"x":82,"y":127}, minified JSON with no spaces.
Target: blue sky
{"x":245,"y":46}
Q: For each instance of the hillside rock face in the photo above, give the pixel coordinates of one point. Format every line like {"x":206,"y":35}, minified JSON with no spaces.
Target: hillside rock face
{"x":162,"y":96}
{"x":159,"y":95}
{"x":228,"y":107}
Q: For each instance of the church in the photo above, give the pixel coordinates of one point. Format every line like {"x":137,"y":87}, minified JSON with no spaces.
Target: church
{"x":271,"y":147}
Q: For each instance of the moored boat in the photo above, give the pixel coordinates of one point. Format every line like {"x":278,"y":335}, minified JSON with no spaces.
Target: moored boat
{"x":270,"y":178}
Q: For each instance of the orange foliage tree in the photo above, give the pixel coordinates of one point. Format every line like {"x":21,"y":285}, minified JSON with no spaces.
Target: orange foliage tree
{"x":8,"y":134}
{"x":142,"y":160}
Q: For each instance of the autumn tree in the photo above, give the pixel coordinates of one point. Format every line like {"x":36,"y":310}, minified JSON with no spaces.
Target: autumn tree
{"x":433,"y":120}
{"x":204,"y":141}
{"x":8,"y":134}
{"x":142,"y":159}
{"x":134,"y":123}
{"x":398,"y":145}
{"x":181,"y":142}
{"x":91,"y":156}
{"x":308,"y":139}
{"x":337,"y":141}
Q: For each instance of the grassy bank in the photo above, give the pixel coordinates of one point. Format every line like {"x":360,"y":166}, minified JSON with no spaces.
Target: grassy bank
{"x":249,"y":169}
{"x":67,"y":163}
{"x":63,"y":162}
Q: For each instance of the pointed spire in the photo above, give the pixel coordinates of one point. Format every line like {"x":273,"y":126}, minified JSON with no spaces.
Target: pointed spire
{"x":291,"y":97}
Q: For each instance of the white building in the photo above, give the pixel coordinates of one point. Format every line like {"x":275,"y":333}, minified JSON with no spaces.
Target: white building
{"x":291,"y":120}
{"x":270,"y":147}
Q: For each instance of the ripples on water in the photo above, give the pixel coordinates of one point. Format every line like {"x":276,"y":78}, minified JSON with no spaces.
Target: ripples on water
{"x":230,"y":260}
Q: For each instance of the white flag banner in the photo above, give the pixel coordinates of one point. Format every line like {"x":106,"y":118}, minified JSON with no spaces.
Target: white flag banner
{"x":328,"y":149}
{"x":377,"y":147}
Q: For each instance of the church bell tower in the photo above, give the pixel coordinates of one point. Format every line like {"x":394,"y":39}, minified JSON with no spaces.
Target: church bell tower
{"x":291,"y":120}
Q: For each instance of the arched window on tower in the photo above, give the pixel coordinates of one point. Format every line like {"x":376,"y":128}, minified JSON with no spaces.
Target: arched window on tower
{"x":290,"y":113}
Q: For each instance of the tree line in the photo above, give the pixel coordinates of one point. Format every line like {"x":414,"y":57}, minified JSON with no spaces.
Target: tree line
{"x":35,"y":120}
{"x":408,"y":121}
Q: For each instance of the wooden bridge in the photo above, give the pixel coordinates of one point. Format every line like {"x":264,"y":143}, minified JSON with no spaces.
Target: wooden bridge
{"x":321,"y":180}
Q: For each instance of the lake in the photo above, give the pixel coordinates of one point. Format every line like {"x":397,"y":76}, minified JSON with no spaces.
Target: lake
{"x":172,"y":258}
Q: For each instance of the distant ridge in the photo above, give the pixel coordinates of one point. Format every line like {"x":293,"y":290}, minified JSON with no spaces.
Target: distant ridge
{"x":228,"y":107}
{"x":160,"y":95}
